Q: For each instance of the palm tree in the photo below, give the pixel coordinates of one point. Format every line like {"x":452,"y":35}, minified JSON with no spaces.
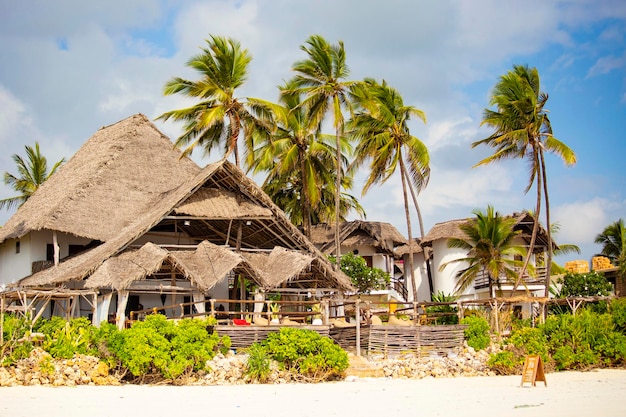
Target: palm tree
{"x":384,"y":139}
{"x":523,"y":131}
{"x":285,"y":193}
{"x":295,"y":154}
{"x":220,"y":115}
{"x":490,"y":250}
{"x":32,"y":172}
{"x":321,"y":77}
{"x":613,"y":241}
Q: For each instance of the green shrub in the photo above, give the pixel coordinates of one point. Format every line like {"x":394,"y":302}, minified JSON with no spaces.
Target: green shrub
{"x":477,"y":332}
{"x":259,"y":361}
{"x":618,"y":312}
{"x":158,"y":347}
{"x":64,"y":339}
{"x":530,"y":341}
{"x":306,"y":354}
{"x":16,"y":345}
{"x":506,"y":362}
{"x":447,"y":313}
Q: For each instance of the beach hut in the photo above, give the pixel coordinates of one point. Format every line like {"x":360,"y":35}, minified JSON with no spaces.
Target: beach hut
{"x":129,"y":221}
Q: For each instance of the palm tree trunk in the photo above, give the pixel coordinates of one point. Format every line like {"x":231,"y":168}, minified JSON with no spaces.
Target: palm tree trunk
{"x":545,"y":194}
{"x":422,"y":233}
{"x":337,"y":199}
{"x":533,"y":237}
{"x":411,"y":275}
{"x":234,"y":136}
{"x":304,"y":195}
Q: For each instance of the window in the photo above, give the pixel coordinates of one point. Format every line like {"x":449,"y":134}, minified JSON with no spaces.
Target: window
{"x":17,"y":247}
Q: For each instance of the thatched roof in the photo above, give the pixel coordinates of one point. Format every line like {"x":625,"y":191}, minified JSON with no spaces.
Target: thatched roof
{"x":413,"y":247}
{"x":445,"y":230}
{"x":121,"y":172}
{"x":279,"y":266}
{"x":119,"y":272}
{"x":220,"y":204}
{"x":355,"y":233}
{"x":208,"y":264}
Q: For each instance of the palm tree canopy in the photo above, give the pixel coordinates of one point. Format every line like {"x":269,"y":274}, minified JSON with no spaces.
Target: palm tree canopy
{"x":218,"y":116}
{"x":613,"y":241}
{"x":321,"y":78}
{"x":490,"y":248}
{"x":381,"y":129}
{"x":521,"y":122}
{"x":32,"y":172}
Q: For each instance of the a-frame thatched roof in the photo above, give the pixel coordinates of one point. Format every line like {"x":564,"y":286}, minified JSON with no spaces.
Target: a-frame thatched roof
{"x":217,"y":204}
{"x":118,"y":174}
{"x":357,"y":233}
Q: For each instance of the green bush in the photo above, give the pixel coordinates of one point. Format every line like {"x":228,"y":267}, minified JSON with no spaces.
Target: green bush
{"x":64,"y":339}
{"x":16,"y":345}
{"x":304,"y":353}
{"x":259,"y":361}
{"x":446,"y":314}
{"x":530,"y":341}
{"x":477,"y":332}
{"x":160,"y":347}
{"x":617,"y":309}
{"x":506,"y":362}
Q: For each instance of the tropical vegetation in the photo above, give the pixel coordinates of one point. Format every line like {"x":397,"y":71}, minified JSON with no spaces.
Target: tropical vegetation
{"x":32,"y":172}
{"x":613,"y":241}
{"x":491,"y":250}
{"x":522,"y":130}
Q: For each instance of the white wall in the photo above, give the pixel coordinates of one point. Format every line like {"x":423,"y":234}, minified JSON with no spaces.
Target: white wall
{"x":421,"y":278}
{"x":445,"y":280}
{"x":15,"y":266}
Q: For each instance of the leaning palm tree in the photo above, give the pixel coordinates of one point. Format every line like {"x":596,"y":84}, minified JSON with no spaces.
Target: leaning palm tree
{"x":381,"y":128}
{"x":219,"y":116}
{"x":321,"y":77}
{"x":32,"y":172}
{"x":490,"y":250}
{"x":523,"y":131}
{"x":613,"y":241}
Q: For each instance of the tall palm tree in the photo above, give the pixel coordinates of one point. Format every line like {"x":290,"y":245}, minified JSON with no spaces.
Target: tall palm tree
{"x":322,"y":79}
{"x":32,"y":172}
{"x":219,"y":116}
{"x":613,"y":241}
{"x":381,"y":128}
{"x":294,"y":153}
{"x":490,"y":250}
{"x":523,"y":131}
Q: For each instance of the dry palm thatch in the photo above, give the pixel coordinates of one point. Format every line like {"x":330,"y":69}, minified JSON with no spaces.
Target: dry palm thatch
{"x":355,"y":233}
{"x":279,"y":266}
{"x":214,"y":203}
{"x":445,"y":230}
{"x":118,"y":174}
{"x":208,"y":264}
{"x":413,"y":247}
{"x":118,"y":272}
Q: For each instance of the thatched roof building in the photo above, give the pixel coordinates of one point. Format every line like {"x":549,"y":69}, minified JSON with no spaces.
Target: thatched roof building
{"x":120,"y":173}
{"x":451,"y":229}
{"x":128,"y":185}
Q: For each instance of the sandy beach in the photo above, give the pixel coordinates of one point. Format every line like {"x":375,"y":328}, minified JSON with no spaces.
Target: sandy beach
{"x":567,"y":394}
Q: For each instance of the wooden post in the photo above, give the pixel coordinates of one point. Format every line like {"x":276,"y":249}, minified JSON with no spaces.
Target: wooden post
{"x":55,"y":246}
{"x":358,"y":327}
{"x":1,"y":319}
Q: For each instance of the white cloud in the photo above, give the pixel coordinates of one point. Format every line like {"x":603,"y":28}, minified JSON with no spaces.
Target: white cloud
{"x":606,"y":64}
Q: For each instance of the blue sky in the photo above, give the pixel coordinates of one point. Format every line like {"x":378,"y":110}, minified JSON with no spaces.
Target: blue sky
{"x":71,"y":67}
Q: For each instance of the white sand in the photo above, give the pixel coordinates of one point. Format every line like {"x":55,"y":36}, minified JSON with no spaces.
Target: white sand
{"x":596,"y":393}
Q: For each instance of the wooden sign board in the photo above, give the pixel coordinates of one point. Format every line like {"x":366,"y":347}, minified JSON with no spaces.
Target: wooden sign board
{"x":533,"y":371}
